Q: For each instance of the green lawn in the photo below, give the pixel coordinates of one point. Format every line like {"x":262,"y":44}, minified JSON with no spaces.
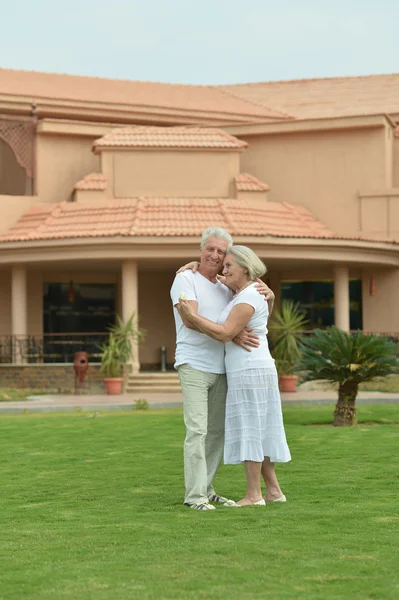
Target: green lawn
{"x":91,"y":508}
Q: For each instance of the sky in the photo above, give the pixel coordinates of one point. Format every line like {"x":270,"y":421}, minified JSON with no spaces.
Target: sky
{"x":201,"y":41}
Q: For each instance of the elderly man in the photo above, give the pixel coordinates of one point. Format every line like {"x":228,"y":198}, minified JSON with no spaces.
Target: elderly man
{"x":200,"y":364}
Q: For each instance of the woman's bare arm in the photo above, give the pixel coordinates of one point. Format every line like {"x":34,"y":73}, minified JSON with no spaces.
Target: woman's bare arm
{"x":238,"y":318}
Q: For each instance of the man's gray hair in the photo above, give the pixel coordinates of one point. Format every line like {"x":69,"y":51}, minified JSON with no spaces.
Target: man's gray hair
{"x":216,"y":232}
{"x":248,"y":260}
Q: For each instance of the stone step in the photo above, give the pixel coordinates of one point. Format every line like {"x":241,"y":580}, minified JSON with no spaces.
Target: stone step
{"x":156,"y":375}
{"x":153,"y":383}
{"x":152,"y":390}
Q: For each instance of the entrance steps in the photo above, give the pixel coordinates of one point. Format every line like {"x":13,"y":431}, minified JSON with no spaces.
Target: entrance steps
{"x":149,"y":383}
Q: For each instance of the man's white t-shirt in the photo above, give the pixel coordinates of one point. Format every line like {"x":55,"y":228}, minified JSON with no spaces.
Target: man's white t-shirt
{"x":192,"y":347}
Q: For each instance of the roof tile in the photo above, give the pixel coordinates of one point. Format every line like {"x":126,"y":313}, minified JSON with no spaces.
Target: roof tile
{"x":324,"y":98}
{"x":93,"y":181}
{"x":248,"y":183}
{"x":168,"y":137}
{"x":167,"y":217}
{"x":133,"y":94}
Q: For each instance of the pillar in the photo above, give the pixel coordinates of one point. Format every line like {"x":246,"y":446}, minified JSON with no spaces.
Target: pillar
{"x":341,"y":297}
{"x":19,"y":312}
{"x":130,"y":302}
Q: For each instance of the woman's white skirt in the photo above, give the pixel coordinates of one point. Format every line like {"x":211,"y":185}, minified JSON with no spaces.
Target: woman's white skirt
{"x":254,"y":420}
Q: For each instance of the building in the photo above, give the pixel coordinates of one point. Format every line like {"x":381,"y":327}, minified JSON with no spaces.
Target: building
{"x":106,"y":186}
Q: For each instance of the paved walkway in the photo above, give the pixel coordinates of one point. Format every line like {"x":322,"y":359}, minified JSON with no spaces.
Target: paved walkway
{"x":102,"y":402}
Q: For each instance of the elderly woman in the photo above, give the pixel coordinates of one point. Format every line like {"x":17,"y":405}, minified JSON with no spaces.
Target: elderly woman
{"x":254,"y":425}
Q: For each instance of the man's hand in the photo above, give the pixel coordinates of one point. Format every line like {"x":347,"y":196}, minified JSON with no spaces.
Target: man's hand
{"x":264,"y":290}
{"x":246,"y":339}
{"x":267,"y":293}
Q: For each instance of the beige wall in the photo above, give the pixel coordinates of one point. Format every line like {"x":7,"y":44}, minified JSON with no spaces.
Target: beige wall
{"x":249,"y":196}
{"x":379,"y":214}
{"x":395,"y":176}
{"x":62,"y":161}
{"x":381,"y":311}
{"x":321,"y":171}
{"x":174,"y":174}
{"x":156,"y":315}
{"x":12,"y":208}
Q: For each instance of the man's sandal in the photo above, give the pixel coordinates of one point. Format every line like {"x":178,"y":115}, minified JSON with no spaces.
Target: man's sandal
{"x":200,"y":506}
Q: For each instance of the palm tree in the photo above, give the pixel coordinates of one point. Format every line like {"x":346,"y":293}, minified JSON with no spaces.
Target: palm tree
{"x":336,"y":356}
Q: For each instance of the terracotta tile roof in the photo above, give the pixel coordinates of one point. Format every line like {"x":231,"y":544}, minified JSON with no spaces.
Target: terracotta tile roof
{"x":252,"y":102}
{"x":135,"y":94}
{"x":248,"y":183}
{"x":167,"y":217}
{"x":168,"y":137}
{"x":93,"y":181}
{"x":323,"y":98}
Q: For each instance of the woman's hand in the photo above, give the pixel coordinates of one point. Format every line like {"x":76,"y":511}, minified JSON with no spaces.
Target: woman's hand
{"x":185,"y":308}
{"x":192,"y":266}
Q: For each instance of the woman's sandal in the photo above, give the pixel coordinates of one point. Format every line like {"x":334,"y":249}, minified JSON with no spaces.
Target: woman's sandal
{"x":282,"y":499}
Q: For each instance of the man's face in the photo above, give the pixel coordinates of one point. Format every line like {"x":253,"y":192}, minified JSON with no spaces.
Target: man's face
{"x":213,"y":253}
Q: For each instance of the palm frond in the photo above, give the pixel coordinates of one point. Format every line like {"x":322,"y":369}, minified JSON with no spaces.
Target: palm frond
{"x":119,"y":348}
{"x":335,"y":355}
{"x":286,"y":329}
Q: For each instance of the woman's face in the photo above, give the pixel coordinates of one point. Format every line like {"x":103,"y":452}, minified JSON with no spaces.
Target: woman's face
{"x":235,"y":275}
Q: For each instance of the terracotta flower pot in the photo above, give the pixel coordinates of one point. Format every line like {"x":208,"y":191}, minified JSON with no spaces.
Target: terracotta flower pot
{"x":287,"y":383}
{"x":113,"y":385}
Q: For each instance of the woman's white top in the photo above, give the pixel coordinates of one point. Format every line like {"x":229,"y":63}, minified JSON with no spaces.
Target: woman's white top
{"x":237,"y":358}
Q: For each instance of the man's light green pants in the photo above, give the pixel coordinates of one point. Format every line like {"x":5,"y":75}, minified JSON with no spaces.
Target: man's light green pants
{"x":204,"y":404}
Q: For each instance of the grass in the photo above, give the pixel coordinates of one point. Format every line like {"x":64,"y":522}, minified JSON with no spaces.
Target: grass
{"x":91,"y":508}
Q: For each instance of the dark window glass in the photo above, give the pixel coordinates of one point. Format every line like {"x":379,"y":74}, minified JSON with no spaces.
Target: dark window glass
{"x":316,"y":299}
{"x":78,"y":307}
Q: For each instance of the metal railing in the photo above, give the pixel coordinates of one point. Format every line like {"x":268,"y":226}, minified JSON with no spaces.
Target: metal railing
{"x":61,"y":347}
{"x":50,"y":347}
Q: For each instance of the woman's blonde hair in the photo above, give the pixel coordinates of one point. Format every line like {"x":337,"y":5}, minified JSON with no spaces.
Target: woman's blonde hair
{"x":248,"y":260}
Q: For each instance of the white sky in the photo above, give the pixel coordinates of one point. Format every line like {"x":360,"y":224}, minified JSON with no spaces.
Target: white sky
{"x":201,"y":41}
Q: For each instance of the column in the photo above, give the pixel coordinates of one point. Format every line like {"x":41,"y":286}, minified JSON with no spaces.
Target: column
{"x":19,"y":313}
{"x":341,"y":297}
{"x":130,"y":303}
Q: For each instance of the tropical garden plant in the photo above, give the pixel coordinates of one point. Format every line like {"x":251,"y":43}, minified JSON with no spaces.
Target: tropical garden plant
{"x":286,"y":332}
{"x":119,"y":347}
{"x":336,"y":356}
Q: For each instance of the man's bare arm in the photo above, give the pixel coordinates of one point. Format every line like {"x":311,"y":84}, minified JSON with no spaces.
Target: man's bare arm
{"x":264,"y":289}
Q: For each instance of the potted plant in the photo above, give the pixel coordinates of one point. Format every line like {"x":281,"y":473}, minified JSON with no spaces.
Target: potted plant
{"x":117,"y":351}
{"x":286,"y":328}
{"x":336,"y":356}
